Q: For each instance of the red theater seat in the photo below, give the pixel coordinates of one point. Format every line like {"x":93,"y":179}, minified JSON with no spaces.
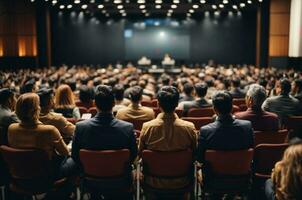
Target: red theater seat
{"x":199,"y":121}
{"x":271,"y":137}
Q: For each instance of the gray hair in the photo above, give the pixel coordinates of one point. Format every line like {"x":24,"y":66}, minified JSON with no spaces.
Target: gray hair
{"x":258,"y":95}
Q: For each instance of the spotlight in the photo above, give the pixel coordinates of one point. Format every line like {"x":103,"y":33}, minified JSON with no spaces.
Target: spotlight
{"x":195,"y":6}
{"x":69,"y":6}
{"x":142,"y":7}
{"x":62,"y":6}
{"x":158,"y":6}
{"x":100,"y":6}
{"x":214,"y":6}
{"x":77,"y":1}
{"x":84,"y":6}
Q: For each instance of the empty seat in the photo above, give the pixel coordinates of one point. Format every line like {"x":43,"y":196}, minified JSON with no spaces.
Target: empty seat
{"x":271,"y":137}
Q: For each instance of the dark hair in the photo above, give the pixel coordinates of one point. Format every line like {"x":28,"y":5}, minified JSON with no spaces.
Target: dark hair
{"x":104,"y":98}
{"x":236,"y":82}
{"x":118,"y":91}
{"x":223,"y":102}
{"x":165,"y":79}
{"x":201,"y":89}
{"x":5,"y":94}
{"x":298,"y":83}
{"x":72,"y":84}
{"x":285,"y":86}
{"x":86,"y":94}
{"x":45,"y":98}
{"x":136,"y":94}
{"x":188,"y":88}
{"x":168,"y":97}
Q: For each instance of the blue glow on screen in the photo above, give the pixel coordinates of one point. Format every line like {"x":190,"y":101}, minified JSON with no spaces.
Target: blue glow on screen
{"x":128,"y":33}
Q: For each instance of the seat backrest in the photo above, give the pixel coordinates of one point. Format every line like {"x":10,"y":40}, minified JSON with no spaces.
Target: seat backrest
{"x":72,"y":120}
{"x":199,"y":121}
{"x":230,"y":162}
{"x":266,"y":156}
{"x":105,"y":163}
{"x":293,"y":122}
{"x":271,"y":137}
{"x":201,"y":112}
{"x":179,"y":112}
{"x":83,"y":110}
{"x":26,"y":163}
{"x":167,"y":164}
{"x":137,"y":123}
{"x":152,"y":104}
{"x":239,"y":102}
{"x":93,"y":111}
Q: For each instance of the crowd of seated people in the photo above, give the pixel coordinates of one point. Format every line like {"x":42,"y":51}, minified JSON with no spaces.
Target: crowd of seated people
{"x":49,"y":98}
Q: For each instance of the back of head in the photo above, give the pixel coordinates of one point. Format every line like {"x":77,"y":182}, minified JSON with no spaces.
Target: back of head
{"x":118,"y":91}
{"x":136,"y":94}
{"x":285,"y":86}
{"x":28,"y":86}
{"x":168,"y":97}
{"x":222,"y":102}
{"x":5,"y":95}
{"x":45,"y":96}
{"x":165,"y":79}
{"x":258,"y":95}
{"x":298,"y":83}
{"x":236,"y":83}
{"x":201,"y":89}
{"x":64,"y":96}
{"x":104,"y":98}
{"x":188,"y":89}
{"x":86,"y":94}
{"x":27,"y":107}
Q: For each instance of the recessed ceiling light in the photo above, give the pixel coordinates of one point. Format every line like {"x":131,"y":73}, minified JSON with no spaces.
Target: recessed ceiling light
{"x":69,"y":6}
{"x":77,"y":1}
{"x":249,"y":2}
{"x":100,"y":6}
{"x":225,"y":1}
{"x":170,"y":11}
{"x":242,"y":5}
{"x":195,"y":6}
{"x":221,"y":6}
{"x":142,"y":7}
{"x":124,"y":14}
{"x":141,"y":1}
{"x":202,"y":1}
{"x":158,"y":1}
{"x":120,"y":7}
{"x":176,"y":1}
{"x":158,"y":6}
{"x":173,"y":6}
{"x":144,"y":11}
{"x":191,"y":11}
{"x":62,"y":6}
{"x":235,"y":6}
{"x":117,"y":1}
{"x":214,"y":6}
{"x":84,"y":6}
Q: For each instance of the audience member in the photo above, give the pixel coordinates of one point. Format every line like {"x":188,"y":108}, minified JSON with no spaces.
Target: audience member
{"x":167,"y":133}
{"x":188,"y":92}
{"x":236,"y":91}
{"x":30,"y":133}
{"x":135,"y":110}
{"x":51,"y":118}
{"x":286,"y":181}
{"x":86,"y":97}
{"x":7,"y":117}
{"x":283,"y":105}
{"x":260,"y":119}
{"x":104,"y":132}
{"x":65,"y":103}
{"x":297,"y":89}
{"x":199,"y":102}
{"x":120,"y":101}
{"x":226,"y":133}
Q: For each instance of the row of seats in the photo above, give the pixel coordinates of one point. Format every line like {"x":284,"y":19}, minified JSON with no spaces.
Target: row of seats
{"x":223,"y":171}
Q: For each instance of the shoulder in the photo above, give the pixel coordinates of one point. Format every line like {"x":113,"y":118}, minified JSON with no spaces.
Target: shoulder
{"x":241,"y":114}
{"x":186,"y":124}
{"x":270,"y":114}
{"x":147,"y":109}
{"x":122,"y":124}
{"x":209,"y":127}
{"x":243,"y":123}
{"x":13,"y":126}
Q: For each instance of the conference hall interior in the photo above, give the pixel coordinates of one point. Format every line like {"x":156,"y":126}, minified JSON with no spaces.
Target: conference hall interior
{"x":151,"y":99}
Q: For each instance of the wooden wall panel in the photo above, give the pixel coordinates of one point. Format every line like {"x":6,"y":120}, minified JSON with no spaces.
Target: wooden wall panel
{"x":279,"y":28}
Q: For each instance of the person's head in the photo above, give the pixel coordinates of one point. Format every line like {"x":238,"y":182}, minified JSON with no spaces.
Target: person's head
{"x":104,"y":98}
{"x":285,"y":86}
{"x":188,"y":89}
{"x":236,"y":83}
{"x":64,"y":97}
{"x":291,"y":172}
{"x":29,"y":86}
{"x":86,"y":94}
{"x":255,"y":96}
{"x":118,"y":91}
{"x":222,"y":103}
{"x":168,"y":97}
{"x":297,"y":86}
{"x":136,"y":94}
{"x":46,"y":99}
{"x":165,"y":79}
{"x":7,"y":98}
{"x":201,"y":89}
{"x":28,"y":107}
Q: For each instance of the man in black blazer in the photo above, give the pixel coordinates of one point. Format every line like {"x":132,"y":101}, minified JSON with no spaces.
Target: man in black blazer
{"x":103,"y":132}
{"x":226,"y":133}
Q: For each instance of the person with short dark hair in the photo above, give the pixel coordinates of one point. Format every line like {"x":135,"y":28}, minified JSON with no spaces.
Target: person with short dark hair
{"x":188,"y":92}
{"x":86,"y":97}
{"x":168,"y":133}
{"x":297,"y":89}
{"x":48,"y":117}
{"x":236,"y":91}
{"x":135,"y":110}
{"x":226,"y":133}
{"x":120,"y":101}
{"x":7,"y":117}
{"x":284,"y":104}
{"x":201,"y":102}
{"x":103,"y":131}
{"x":260,"y":119}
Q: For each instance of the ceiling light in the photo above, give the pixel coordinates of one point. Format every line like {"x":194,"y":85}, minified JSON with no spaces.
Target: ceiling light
{"x":100,"y":6}
{"x":92,"y":1}
{"x":147,"y":14}
{"x":216,"y":13}
{"x":53,"y":2}
{"x":191,"y":11}
{"x":117,"y":1}
{"x":242,"y":5}
{"x":77,"y":1}
{"x":69,"y":6}
{"x":169,"y":14}
{"x":158,"y":6}
{"x":202,"y":1}
{"x":225,"y":1}
{"x":249,"y":2}
{"x":173,"y":6}
{"x":176,"y":1}
{"x":195,"y":6}
{"x":84,"y":6}
{"x":221,"y":6}
{"x":235,"y":6}
{"x":170,"y":11}
{"x":214,"y":6}
{"x":122,"y":11}
{"x":32,"y":0}
{"x":120,"y":7}
{"x":144,"y":11}
{"x":124,"y":14}
{"x":260,"y":1}
{"x":142,"y":7}
{"x":62,"y":6}
{"x":103,"y":11}
{"x":141,"y":1}
{"x":158,"y":1}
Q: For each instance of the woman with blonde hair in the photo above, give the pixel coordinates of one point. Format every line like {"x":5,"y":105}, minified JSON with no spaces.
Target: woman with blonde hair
{"x":286,"y":182}
{"x":30,"y":133}
{"x":65,"y":103}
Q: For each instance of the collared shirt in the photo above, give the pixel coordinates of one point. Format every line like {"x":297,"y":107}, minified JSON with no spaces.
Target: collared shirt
{"x":57,"y":120}
{"x":135,"y":111}
{"x":36,"y":136}
{"x":261,"y":120}
{"x":168,"y":133}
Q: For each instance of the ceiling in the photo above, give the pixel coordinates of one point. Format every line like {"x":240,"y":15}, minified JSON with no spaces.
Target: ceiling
{"x":150,"y":8}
